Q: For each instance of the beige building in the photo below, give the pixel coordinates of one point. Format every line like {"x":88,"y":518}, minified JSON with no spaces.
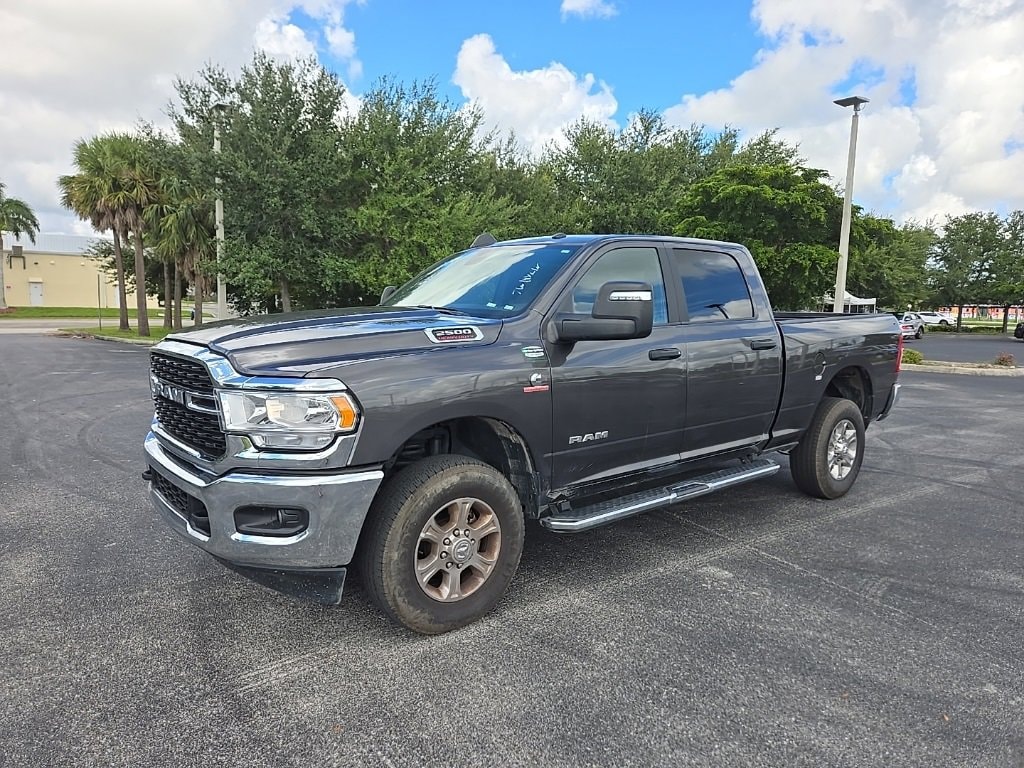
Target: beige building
{"x":54,"y":272}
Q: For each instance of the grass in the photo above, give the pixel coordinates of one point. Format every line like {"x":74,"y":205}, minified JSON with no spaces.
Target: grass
{"x":156,"y":332}
{"x":32,"y":313}
{"x":85,"y":313}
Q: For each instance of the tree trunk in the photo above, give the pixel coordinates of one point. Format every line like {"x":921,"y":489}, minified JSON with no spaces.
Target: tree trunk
{"x":122,"y":294}
{"x":177,"y":295}
{"x":286,"y":297}
{"x":959,"y":317}
{"x":142,"y":325}
{"x":168,"y":305}
{"x":1006,"y":316}
{"x":199,"y":298}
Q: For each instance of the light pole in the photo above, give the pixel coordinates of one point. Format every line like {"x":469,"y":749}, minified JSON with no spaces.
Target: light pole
{"x":844,"y":232}
{"x":218,"y":212}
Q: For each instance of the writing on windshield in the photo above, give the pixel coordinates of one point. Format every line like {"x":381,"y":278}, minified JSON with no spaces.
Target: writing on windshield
{"x":496,"y":281}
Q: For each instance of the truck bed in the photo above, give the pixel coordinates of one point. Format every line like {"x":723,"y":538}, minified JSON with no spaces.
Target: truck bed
{"x":817,"y":346}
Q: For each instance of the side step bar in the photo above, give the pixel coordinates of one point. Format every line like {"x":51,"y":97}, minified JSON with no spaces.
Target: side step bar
{"x":605,"y":512}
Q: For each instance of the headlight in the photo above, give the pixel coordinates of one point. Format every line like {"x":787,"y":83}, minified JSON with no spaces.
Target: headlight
{"x":288,"y":420}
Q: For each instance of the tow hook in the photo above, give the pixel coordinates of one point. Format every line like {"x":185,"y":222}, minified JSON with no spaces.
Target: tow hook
{"x":147,"y":474}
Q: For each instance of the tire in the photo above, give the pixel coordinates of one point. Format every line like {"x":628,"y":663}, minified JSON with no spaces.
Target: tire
{"x":810,"y":461}
{"x":943,"y":322}
{"x":920,"y":332}
{"x":412,"y":523}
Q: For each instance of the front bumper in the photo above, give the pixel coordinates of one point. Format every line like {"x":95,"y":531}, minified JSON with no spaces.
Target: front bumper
{"x":337,"y":504}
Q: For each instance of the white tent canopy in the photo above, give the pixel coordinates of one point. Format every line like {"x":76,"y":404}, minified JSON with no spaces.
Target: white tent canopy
{"x":851,"y":303}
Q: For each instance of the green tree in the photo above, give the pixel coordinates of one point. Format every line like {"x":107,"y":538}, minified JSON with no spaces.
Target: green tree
{"x":1008,"y":266}
{"x":418,"y":185}
{"x":17,"y":218}
{"x":280,"y":163}
{"x":889,"y":263}
{"x":787,"y":216}
{"x":965,"y":260}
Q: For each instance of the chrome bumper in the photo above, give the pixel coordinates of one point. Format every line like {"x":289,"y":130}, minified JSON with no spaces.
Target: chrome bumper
{"x":894,"y":395}
{"x":337,"y":505}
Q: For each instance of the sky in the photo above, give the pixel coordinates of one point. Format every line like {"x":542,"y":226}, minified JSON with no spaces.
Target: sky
{"x":943,"y":132}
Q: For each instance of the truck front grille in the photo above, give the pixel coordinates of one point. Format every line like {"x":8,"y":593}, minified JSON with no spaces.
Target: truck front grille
{"x":187,"y":374}
{"x":199,"y":430}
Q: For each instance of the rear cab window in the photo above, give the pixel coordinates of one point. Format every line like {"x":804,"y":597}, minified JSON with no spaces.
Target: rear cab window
{"x":713,"y":286}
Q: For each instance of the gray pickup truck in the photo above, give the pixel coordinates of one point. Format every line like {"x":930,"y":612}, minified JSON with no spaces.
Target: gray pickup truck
{"x":571,"y":380}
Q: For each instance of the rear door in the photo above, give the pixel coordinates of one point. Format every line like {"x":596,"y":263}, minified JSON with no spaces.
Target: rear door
{"x":733,"y":353}
{"x":618,"y":405}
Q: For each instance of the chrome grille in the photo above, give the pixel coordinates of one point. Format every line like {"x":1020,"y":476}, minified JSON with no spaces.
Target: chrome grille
{"x":187,"y":374}
{"x":200,"y":431}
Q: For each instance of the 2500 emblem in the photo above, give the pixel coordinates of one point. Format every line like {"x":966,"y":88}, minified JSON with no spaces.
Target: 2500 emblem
{"x":573,"y":439}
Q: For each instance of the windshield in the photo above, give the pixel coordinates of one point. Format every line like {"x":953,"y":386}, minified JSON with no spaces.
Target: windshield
{"x":498,"y":281}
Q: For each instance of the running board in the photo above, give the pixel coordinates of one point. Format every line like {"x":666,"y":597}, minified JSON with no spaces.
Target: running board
{"x":605,"y":512}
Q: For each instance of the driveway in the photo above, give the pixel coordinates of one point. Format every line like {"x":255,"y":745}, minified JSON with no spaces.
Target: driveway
{"x":757,"y":627}
{"x":966,"y":347}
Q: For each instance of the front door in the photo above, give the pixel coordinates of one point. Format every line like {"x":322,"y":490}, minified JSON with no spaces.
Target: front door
{"x":617,"y":405}
{"x":35,"y":294}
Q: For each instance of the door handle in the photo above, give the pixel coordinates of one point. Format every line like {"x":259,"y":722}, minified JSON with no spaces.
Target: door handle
{"x":669,"y":353}
{"x":763,"y":343}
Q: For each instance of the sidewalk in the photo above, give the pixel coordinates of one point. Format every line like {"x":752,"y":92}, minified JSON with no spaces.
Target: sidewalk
{"x":50,"y":325}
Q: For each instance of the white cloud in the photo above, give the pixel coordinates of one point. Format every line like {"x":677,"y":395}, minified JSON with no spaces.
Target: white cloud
{"x":536,"y":104}
{"x":72,"y":70}
{"x":283,"y":40}
{"x":588,"y":9}
{"x":946,"y":152}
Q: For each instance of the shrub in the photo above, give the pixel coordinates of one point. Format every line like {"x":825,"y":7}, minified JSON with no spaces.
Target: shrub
{"x":912,"y":357}
{"x":1005,"y":359}
{"x":941,"y":329}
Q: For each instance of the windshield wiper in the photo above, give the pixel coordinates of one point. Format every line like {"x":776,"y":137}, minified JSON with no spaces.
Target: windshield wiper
{"x":443,"y":310}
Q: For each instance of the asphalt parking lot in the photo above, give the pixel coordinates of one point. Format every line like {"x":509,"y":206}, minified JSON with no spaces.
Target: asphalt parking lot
{"x":967,"y":347}
{"x":757,"y":627}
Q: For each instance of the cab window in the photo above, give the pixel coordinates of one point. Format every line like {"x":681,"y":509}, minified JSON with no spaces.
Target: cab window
{"x":634,"y":264}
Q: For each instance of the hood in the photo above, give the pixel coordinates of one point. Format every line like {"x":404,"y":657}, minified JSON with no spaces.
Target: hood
{"x":301,"y":342}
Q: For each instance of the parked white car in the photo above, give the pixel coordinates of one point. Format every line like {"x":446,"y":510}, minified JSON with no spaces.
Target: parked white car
{"x":936,"y":318}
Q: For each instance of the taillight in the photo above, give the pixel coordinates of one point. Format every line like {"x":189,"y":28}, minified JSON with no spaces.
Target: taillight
{"x":899,"y":351}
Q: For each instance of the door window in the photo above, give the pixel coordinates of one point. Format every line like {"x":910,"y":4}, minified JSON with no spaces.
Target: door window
{"x":714,"y":286}
{"x":634,"y":264}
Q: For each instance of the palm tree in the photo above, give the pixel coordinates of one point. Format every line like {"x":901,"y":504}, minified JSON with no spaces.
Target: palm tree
{"x":183,"y":226}
{"x":91,"y":193}
{"x":18,"y":219}
{"x":137,"y":190}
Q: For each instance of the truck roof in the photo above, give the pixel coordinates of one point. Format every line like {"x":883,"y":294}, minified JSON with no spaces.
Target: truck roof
{"x":579,"y":239}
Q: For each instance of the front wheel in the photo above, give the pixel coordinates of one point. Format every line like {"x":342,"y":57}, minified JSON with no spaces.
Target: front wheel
{"x":827,"y":461}
{"x":442,"y":543}
{"x":920,"y":332}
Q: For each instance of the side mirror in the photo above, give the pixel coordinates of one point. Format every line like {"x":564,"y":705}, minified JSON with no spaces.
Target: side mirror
{"x":387,"y":293}
{"x":623,"y":310}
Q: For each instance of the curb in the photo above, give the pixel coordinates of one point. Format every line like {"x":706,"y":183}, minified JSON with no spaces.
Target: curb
{"x":136,"y":342}
{"x":965,"y":369}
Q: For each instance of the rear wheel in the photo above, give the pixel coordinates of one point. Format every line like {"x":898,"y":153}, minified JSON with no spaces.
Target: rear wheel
{"x":442,"y":543}
{"x":827,"y":461}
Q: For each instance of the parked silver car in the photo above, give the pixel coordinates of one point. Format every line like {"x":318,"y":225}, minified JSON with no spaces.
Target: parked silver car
{"x":911,"y":324}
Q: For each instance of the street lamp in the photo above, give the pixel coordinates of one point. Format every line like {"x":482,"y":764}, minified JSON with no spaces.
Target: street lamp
{"x":222,"y":289}
{"x":844,"y":232}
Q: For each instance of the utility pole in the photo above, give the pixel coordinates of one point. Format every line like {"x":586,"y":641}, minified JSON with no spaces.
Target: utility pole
{"x":222,"y":288}
{"x":844,"y":233}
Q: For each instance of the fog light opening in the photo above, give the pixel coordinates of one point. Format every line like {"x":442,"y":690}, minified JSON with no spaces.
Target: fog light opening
{"x":271,"y":521}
